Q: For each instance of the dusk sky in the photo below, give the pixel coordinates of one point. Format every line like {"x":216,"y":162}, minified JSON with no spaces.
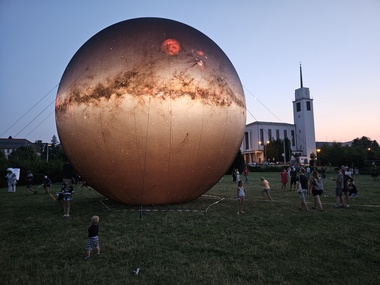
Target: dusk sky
{"x":337,"y":41}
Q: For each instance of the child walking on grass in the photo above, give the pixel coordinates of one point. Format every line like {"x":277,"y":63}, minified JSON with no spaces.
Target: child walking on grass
{"x":93,"y":237}
{"x":303,"y":186}
{"x":241,"y":196}
{"x":66,"y":195}
{"x":266,"y":188}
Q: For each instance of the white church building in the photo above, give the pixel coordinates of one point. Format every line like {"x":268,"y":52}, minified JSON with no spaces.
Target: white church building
{"x":301,"y":134}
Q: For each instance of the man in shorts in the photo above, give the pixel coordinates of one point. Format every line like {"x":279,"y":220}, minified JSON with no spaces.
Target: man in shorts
{"x":293,"y":179}
{"x":339,"y":182}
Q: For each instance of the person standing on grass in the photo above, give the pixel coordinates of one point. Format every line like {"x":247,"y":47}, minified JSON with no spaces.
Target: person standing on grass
{"x":284,"y":178}
{"x":240,"y":191}
{"x":302,"y":189}
{"x":246,"y":171}
{"x":339,"y":181}
{"x":345,"y":186}
{"x":29,"y":181}
{"x":66,"y":192}
{"x":317,"y":189}
{"x":293,"y":179}
{"x":237,"y":175}
{"x":93,"y":237}
{"x":11,"y":180}
{"x":265,"y":188}
{"x":373,"y":172}
{"x":46,"y":182}
{"x":234,"y":175}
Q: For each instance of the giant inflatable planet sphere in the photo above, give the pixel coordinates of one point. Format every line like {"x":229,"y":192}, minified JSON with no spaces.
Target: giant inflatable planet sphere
{"x":150,"y":111}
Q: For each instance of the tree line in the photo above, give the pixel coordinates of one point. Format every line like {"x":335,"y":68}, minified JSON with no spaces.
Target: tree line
{"x":361,"y":153}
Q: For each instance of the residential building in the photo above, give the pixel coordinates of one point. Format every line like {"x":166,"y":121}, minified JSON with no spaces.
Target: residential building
{"x":10,"y":144}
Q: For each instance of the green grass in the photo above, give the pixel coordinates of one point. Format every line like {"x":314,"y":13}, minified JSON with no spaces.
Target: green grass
{"x":272,"y":243}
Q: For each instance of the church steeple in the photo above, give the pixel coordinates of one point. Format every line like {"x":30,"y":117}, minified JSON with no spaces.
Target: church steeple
{"x":302,"y":92}
{"x":303,"y":114}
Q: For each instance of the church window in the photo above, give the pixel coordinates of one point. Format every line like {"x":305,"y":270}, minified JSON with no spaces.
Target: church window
{"x":308,"y":105}
{"x":261,"y":136}
{"x":298,"y":106}
{"x":246,"y":136}
{"x":293,"y":142}
{"x":277,"y":134}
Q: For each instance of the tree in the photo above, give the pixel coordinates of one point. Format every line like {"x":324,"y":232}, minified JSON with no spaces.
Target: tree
{"x":54,"y":141}
{"x":55,"y":151}
{"x":312,"y":158}
{"x":363,"y":143}
{"x":275,"y":150}
{"x":23,"y":153}
{"x":356,"y":155}
{"x":237,"y":163}
{"x":287,"y":149}
{"x":370,"y":148}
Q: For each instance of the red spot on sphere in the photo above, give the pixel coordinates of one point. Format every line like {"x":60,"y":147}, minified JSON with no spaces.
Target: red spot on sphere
{"x":144,"y":128}
{"x":171,"y":47}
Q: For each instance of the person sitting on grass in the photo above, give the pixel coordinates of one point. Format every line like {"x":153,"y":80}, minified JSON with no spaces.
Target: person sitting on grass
{"x":266,"y":188}
{"x":352,"y":189}
{"x":93,"y":237}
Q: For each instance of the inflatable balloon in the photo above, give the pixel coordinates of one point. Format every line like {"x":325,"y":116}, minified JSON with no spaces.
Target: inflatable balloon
{"x":150,"y":111}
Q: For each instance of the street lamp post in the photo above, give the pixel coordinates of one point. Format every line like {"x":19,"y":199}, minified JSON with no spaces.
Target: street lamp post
{"x":47,"y":152}
{"x":266,"y":151}
{"x":318,"y":151}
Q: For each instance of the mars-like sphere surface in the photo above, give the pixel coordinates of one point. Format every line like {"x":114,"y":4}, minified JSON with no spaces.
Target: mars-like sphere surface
{"x":150,"y":111}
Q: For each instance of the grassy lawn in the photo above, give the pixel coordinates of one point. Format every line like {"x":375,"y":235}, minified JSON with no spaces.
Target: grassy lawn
{"x":202,"y":242}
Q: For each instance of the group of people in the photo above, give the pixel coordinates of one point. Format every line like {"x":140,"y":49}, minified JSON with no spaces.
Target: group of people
{"x":236,"y":174}
{"x":345,"y":188}
{"x":241,"y":192}
{"x":64,"y":197}
{"x":12,"y":181}
{"x":304,"y":183}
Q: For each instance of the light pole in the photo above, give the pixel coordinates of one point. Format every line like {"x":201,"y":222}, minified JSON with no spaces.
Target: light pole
{"x":266,"y":151}
{"x":47,"y":152}
{"x":260,"y":144}
{"x":318,"y":151}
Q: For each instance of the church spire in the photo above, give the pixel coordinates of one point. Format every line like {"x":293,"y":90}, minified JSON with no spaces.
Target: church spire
{"x":301,"y":75}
